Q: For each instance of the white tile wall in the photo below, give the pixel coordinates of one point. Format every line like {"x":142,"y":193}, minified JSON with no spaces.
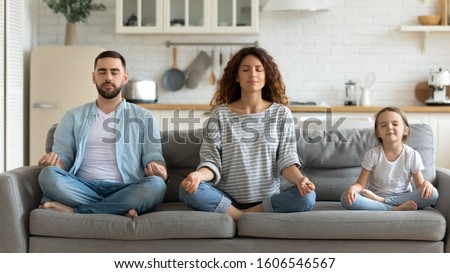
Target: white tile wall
{"x":316,"y":52}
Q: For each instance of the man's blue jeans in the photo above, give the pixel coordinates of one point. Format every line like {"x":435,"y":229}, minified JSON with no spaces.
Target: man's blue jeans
{"x":84,"y":196}
{"x":364,"y":203}
{"x":208,"y":198}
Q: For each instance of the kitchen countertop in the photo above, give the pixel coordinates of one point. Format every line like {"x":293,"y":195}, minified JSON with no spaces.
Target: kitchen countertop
{"x":296,"y":108}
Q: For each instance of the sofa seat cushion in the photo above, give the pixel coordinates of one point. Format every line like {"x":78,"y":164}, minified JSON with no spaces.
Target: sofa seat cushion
{"x":169,"y":222}
{"x":329,"y":220}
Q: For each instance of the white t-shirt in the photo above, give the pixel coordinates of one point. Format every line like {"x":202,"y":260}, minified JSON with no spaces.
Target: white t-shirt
{"x":99,"y":162}
{"x":391,"y":178}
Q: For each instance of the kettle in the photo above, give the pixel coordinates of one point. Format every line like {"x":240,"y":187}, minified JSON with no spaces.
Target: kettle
{"x":365,"y":96}
{"x":140,"y":91}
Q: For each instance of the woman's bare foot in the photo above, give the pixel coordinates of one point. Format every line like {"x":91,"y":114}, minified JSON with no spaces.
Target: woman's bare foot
{"x":234,"y":213}
{"x":408,"y":205}
{"x":371,"y":195}
{"x":56,"y":206}
{"x":257,"y":208}
{"x":132,"y":213}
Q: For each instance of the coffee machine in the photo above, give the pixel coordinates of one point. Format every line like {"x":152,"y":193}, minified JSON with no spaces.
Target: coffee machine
{"x":438,"y":81}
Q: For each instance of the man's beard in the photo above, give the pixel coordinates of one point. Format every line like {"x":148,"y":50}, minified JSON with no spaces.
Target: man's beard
{"x":109,"y":95}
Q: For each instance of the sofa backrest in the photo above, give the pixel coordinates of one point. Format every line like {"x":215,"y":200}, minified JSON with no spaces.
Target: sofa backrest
{"x":181,"y":151}
{"x":330,"y":159}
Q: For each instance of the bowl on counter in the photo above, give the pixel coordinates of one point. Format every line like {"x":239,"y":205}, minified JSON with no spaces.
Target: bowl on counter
{"x":429,"y":20}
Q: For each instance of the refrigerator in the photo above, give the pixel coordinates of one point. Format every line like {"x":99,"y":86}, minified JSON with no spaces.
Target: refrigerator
{"x":60,"y":79}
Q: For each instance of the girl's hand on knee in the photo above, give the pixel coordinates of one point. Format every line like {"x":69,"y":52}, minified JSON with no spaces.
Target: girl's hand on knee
{"x":426,"y":189}
{"x":350,"y":196}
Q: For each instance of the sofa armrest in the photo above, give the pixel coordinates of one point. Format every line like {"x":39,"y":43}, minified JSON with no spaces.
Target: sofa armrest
{"x":443,"y":203}
{"x":19,"y":195}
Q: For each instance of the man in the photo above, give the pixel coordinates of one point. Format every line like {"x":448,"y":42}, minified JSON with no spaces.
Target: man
{"x":106,"y":156}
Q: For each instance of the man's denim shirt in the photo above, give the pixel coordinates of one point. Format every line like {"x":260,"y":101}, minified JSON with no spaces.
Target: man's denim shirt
{"x":136,"y":133}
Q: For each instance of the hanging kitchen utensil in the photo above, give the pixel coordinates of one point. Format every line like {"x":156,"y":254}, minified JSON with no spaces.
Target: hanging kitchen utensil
{"x":422,"y":91}
{"x":370,"y":79}
{"x":173,"y":79}
{"x":220,"y":62}
{"x":212,"y":77}
{"x":195,"y":71}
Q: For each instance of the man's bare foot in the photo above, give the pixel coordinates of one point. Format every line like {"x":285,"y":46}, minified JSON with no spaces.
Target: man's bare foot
{"x":371,"y":195}
{"x":56,"y":206}
{"x":408,"y":205}
{"x":132,"y":213}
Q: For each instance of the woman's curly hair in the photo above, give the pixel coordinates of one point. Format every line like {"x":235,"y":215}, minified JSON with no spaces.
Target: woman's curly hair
{"x":229,"y":90}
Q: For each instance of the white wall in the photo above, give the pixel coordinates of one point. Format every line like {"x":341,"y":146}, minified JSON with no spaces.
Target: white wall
{"x":316,"y":52}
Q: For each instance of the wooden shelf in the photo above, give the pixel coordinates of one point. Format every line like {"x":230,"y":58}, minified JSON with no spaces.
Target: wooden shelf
{"x":419,"y":28}
{"x":425,"y":30}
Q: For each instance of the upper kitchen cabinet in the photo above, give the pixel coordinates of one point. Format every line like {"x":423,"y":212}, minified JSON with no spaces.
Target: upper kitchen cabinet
{"x":139,"y":16}
{"x":187,"y":16}
{"x":235,"y":16}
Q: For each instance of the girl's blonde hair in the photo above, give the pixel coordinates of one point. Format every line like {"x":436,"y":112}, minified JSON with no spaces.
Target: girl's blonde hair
{"x":395,"y":110}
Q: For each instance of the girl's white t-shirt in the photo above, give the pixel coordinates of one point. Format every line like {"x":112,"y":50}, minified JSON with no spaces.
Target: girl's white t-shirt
{"x":391,"y":178}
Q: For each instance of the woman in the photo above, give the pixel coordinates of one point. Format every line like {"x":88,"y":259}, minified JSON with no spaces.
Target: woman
{"x":248,"y":142}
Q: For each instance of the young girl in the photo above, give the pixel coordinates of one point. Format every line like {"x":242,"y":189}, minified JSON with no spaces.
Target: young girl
{"x":389,"y":169}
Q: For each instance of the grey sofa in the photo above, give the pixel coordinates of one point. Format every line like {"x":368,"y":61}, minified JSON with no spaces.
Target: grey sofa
{"x":330,"y":159}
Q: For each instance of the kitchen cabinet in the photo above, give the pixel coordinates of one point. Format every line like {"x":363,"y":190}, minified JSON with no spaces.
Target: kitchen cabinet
{"x":187,"y":16}
{"x":332,"y":120}
{"x":139,"y":16}
{"x":346,"y":120}
{"x":423,"y":118}
{"x":439,"y":123}
{"x":235,"y":16}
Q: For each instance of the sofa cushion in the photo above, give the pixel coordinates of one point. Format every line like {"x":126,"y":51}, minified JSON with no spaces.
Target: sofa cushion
{"x":329,"y":220}
{"x":173,"y":221}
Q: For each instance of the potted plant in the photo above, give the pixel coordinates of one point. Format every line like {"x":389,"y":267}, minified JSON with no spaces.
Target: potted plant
{"x":75,"y":11}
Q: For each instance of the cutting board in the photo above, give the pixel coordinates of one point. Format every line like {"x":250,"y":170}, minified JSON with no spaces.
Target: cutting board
{"x":422,"y":91}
